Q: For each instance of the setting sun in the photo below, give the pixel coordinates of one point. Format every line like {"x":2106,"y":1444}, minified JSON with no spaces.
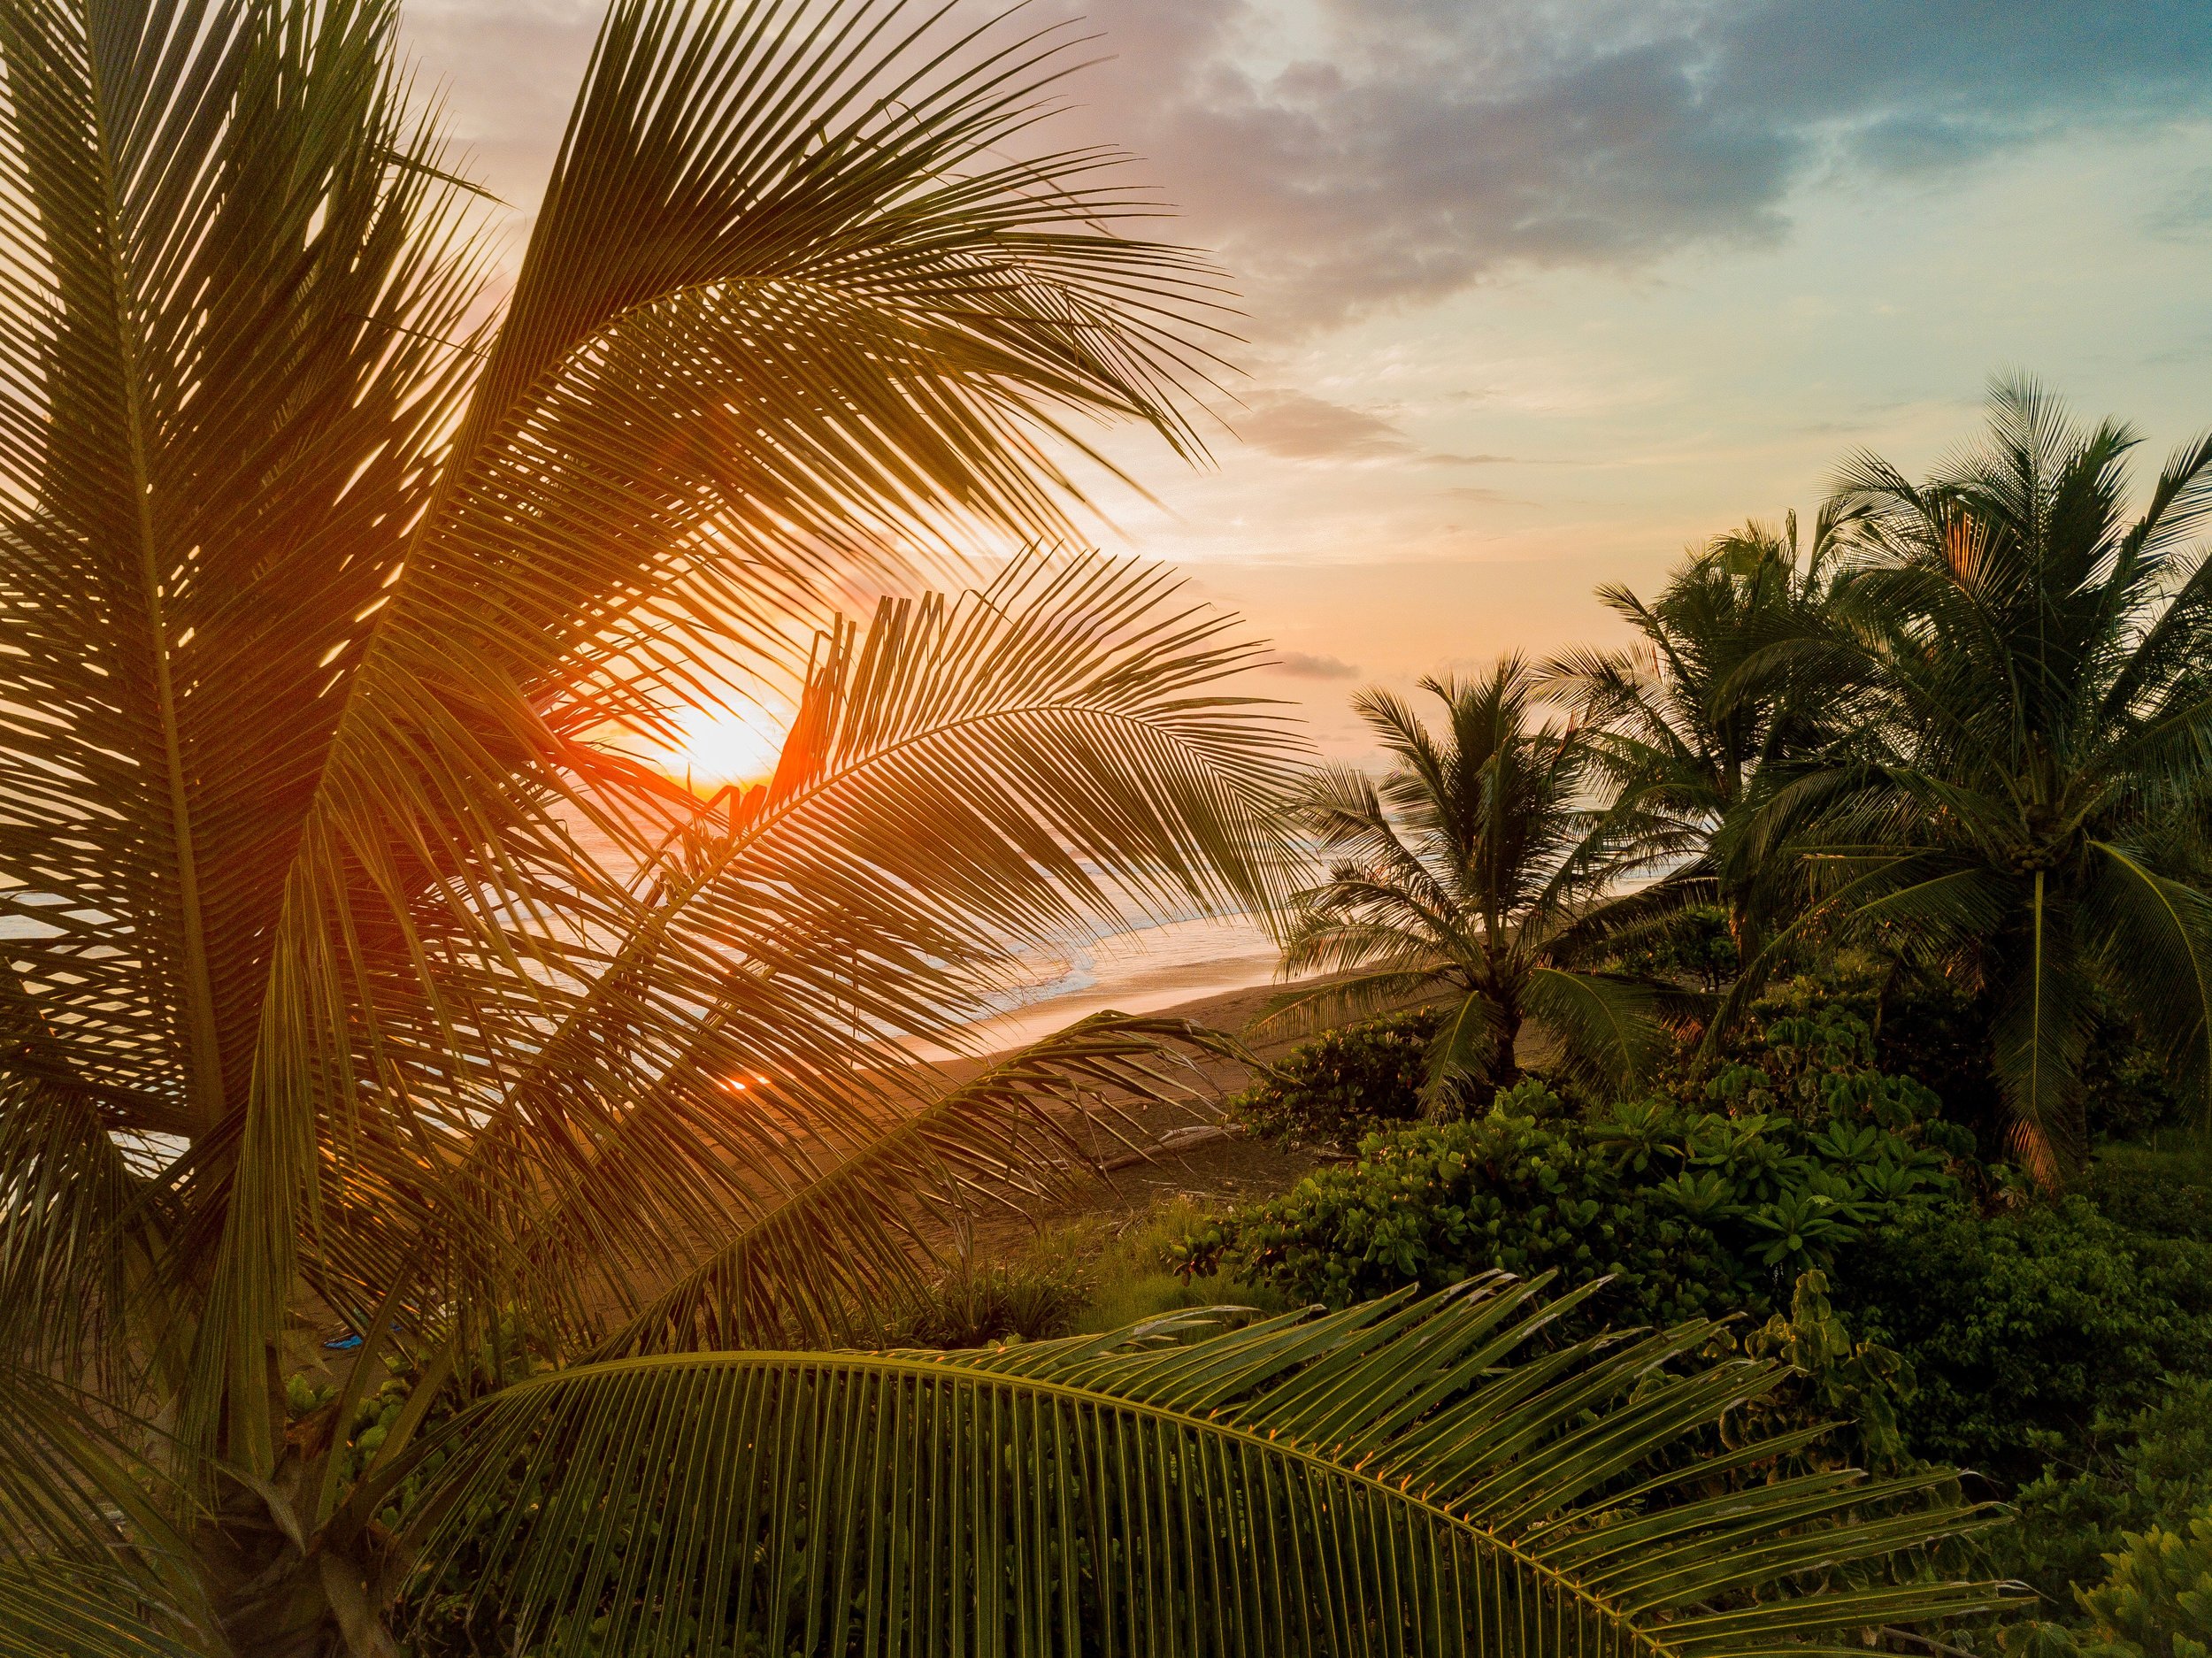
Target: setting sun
{"x":724,"y":745}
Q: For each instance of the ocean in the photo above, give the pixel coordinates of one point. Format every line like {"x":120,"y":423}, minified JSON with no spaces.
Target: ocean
{"x":1141,"y":970}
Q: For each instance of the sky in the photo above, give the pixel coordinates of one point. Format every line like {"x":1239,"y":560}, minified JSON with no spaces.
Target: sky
{"x":1537,"y":293}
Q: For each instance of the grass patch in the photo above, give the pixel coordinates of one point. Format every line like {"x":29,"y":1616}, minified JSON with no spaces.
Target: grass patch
{"x":1083,"y":1278}
{"x":1130,"y":1272}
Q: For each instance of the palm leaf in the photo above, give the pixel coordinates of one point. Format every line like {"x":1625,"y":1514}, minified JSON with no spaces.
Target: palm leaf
{"x":1022,"y":1132}
{"x":51,"y":1611}
{"x":320,"y":607}
{"x":749,"y":1036}
{"x":2157,"y":946}
{"x":1609,"y":1023}
{"x":1381,"y":1479}
{"x":1463,"y":1052}
{"x":90,"y":1526}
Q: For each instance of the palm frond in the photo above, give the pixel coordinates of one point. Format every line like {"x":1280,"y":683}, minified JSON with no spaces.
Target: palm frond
{"x":1057,"y":734}
{"x":1464,"y":1053}
{"x":55,"y":1611}
{"x":1355,"y":996}
{"x":1610,"y":1024}
{"x":91,"y":1524}
{"x":1024,"y":1131}
{"x":1388,"y":1476}
{"x":2155,"y":937}
{"x":78,"y":1230}
{"x":319,"y":606}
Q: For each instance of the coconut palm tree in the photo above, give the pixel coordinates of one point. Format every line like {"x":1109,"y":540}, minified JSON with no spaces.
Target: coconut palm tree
{"x":2021,"y":801}
{"x":1471,"y":874}
{"x":1706,"y":701}
{"x":357,"y":978}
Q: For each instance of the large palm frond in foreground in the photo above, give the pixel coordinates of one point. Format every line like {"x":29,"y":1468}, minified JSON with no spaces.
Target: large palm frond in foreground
{"x":352,"y":969}
{"x":320,"y":606}
{"x":1409,"y":1477}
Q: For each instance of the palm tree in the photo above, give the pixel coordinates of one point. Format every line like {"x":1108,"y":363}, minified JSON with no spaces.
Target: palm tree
{"x":2021,"y":803}
{"x":1471,"y":874}
{"x":354,"y":976}
{"x":1704,"y":704}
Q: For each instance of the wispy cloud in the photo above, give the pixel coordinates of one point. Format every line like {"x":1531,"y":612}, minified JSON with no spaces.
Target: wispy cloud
{"x":2185,"y":214}
{"x":1296,"y":664}
{"x":1398,"y":150}
{"x":1299,"y":427}
{"x":1356,"y":154}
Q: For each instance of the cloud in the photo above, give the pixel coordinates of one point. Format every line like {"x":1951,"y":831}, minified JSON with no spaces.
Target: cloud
{"x":1348,"y":156}
{"x":1300,"y":427}
{"x":2186,"y":212}
{"x":1362,"y":153}
{"x":1296,"y":664}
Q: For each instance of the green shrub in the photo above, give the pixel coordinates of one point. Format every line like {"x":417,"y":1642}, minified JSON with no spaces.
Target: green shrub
{"x":977,"y":1303}
{"x":1337,"y":1088}
{"x":1130,"y":1270}
{"x":1693,"y":946}
{"x":2024,"y":1329}
{"x":2155,"y":1600}
{"x":2165,"y":1193}
{"x":2125,"y":1090}
{"x":2158,"y":1599}
{"x":1839,"y":1377}
{"x":1693,"y":1213}
{"x":2153,"y":1467}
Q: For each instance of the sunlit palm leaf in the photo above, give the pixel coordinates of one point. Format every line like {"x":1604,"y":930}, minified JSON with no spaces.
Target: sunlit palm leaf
{"x":1026,"y":1129}
{"x":316,"y":600}
{"x":1382,"y":1478}
{"x":1055,"y":735}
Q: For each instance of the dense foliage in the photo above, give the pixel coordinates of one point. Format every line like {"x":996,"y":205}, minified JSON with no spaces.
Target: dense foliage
{"x":2023,"y":1326}
{"x":1343,"y":1084}
{"x":2059,"y":1350}
{"x":2019,"y":653}
{"x":1703,"y":1202}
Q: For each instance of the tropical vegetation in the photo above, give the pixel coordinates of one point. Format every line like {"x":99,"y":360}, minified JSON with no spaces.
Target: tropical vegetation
{"x":1904,"y":834}
{"x":2057,"y":1351}
{"x":1466,"y":877}
{"x":361,"y":976}
{"x":1969,"y":730}
{"x":1699,"y":1200}
{"x":1706,"y":701}
{"x":2021,"y":798}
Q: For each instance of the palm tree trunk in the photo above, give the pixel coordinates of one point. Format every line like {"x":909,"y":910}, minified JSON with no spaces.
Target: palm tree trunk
{"x":1505,"y":1069}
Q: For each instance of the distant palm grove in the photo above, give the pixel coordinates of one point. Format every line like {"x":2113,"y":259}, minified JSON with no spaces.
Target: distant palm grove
{"x":462,"y":1192}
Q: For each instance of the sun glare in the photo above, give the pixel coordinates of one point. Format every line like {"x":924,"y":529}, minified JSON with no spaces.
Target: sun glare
{"x":723,"y":745}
